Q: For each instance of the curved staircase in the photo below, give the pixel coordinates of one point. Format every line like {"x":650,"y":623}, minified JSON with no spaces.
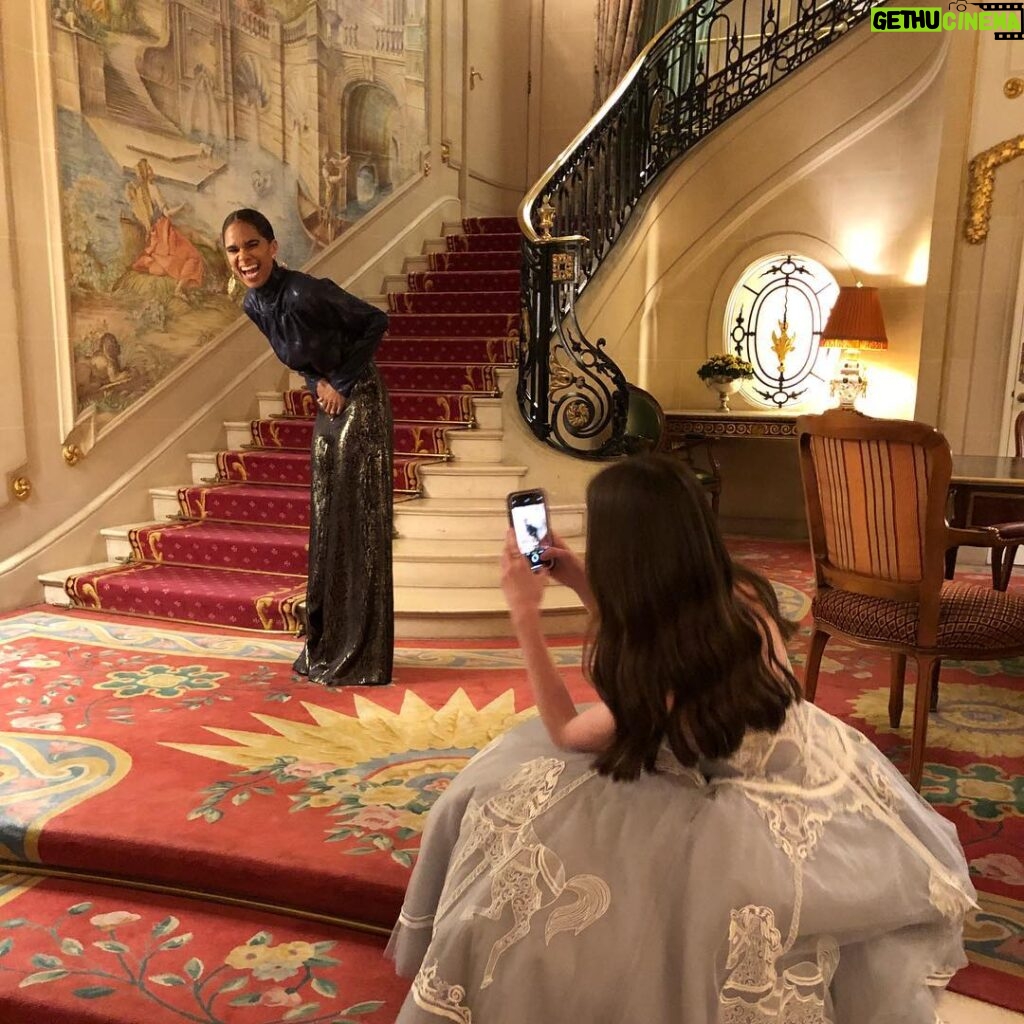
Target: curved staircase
{"x":230,"y":548}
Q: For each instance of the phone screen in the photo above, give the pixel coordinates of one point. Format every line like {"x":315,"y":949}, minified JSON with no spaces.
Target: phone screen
{"x":529,"y":516}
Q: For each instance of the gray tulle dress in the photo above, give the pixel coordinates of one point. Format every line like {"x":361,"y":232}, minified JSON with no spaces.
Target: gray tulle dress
{"x":802,"y":881}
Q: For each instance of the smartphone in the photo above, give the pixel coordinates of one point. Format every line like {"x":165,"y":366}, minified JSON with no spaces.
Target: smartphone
{"x":528,"y":514}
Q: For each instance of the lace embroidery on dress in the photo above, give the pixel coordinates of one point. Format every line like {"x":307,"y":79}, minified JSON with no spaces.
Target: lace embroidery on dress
{"x":434,"y":995}
{"x":526,"y":876}
{"x":755,"y":992}
{"x":799,"y":783}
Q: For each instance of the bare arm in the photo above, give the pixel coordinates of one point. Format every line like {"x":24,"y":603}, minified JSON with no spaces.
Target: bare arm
{"x":589,"y":730}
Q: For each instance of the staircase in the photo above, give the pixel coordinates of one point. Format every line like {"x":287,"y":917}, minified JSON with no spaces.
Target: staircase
{"x":230,"y":548}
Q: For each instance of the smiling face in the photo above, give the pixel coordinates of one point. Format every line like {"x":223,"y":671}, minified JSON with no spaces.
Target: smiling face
{"x":250,"y":255}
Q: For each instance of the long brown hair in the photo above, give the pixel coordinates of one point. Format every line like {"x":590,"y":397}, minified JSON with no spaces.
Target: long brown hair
{"x":676,"y":654}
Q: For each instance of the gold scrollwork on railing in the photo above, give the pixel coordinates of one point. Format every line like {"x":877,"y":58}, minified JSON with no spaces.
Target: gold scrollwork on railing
{"x":546,"y":213}
{"x":72,"y":454}
{"x":559,"y":376}
{"x":981,"y":184}
{"x":21,"y":487}
{"x":578,"y":414}
{"x":563,"y":266}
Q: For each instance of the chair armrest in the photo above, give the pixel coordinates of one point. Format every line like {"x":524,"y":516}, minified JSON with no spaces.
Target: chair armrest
{"x":975,"y":537}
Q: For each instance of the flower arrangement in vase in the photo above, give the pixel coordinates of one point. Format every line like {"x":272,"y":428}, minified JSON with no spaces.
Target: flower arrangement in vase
{"x":725,"y":373}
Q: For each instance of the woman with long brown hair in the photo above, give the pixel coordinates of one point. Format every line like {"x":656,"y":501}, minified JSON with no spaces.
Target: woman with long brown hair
{"x":699,"y":846}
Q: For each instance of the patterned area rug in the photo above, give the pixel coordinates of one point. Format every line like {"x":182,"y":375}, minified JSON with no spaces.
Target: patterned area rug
{"x":199,"y":762}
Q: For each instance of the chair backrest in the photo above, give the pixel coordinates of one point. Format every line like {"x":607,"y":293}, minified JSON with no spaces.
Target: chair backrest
{"x":645,"y":421}
{"x":875,"y":492}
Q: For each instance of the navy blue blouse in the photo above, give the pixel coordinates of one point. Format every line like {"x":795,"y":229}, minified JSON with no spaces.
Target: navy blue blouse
{"x":315,"y":327}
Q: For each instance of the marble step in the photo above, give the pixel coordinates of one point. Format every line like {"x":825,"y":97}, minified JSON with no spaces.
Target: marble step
{"x":486,"y":519}
{"x":451,"y":564}
{"x":269,"y":403}
{"x":480,"y":445}
{"x":420,"y":612}
{"x":417,"y":562}
{"x":414,"y":265}
{"x":469,"y":481}
{"x":478,"y":612}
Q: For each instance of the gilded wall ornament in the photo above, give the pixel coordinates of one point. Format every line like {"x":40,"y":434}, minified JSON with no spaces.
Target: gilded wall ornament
{"x":981,"y":184}
{"x":21,"y":487}
{"x":72,"y":454}
{"x":1013,"y":87}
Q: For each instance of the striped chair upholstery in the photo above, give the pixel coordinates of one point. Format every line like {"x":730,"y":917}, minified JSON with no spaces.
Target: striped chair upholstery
{"x":864,"y":484}
{"x":876,"y":495}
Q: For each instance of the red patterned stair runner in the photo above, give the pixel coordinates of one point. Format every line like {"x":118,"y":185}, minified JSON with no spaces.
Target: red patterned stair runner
{"x":237,"y":556}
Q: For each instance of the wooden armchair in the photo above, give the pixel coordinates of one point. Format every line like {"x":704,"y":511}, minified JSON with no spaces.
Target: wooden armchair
{"x":876,"y":492}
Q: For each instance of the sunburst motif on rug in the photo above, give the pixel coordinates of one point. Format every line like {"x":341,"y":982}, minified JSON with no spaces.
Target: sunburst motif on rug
{"x":375,"y":773}
{"x":972,"y":718}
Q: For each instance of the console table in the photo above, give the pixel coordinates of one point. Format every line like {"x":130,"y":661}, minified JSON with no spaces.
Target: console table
{"x":712,"y":423}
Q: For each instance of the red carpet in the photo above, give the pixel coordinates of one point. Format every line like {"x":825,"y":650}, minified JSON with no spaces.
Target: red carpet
{"x":197,"y":760}
{"x":238,"y":557}
{"x":82,"y":953}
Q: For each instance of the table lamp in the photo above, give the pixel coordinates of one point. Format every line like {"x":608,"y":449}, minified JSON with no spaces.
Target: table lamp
{"x":855,"y":323}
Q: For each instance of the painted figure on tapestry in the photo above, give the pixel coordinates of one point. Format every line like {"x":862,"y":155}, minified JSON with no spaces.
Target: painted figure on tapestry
{"x":329,"y":336}
{"x":168,"y":252}
{"x":700,"y":812}
{"x":168,"y":113}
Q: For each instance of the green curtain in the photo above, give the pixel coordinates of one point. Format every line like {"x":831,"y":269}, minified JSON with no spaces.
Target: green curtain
{"x":657,"y":14}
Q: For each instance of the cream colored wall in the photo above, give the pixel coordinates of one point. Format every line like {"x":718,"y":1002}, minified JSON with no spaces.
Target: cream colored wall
{"x":58,"y":525}
{"x":563,"y":82}
{"x":975,"y":322}
{"x":13,"y":441}
{"x":839,"y":162}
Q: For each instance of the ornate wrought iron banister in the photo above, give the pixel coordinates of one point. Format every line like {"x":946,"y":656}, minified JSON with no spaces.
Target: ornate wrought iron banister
{"x":702,"y":68}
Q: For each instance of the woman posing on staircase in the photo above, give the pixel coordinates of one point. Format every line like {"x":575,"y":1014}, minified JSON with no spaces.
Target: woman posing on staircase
{"x":330,"y":337}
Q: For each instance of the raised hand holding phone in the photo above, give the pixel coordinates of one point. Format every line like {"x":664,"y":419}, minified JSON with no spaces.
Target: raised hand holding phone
{"x":528,"y":516}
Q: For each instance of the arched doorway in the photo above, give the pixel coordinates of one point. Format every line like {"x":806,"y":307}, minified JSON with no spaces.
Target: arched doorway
{"x":371,"y":117}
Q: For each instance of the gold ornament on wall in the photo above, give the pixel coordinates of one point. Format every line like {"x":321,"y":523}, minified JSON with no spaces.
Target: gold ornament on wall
{"x":72,"y":454}
{"x":21,"y":487}
{"x":981,"y":183}
{"x":1013,"y":87}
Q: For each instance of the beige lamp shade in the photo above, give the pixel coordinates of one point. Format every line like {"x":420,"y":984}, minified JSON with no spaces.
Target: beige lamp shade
{"x":855,"y":321}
